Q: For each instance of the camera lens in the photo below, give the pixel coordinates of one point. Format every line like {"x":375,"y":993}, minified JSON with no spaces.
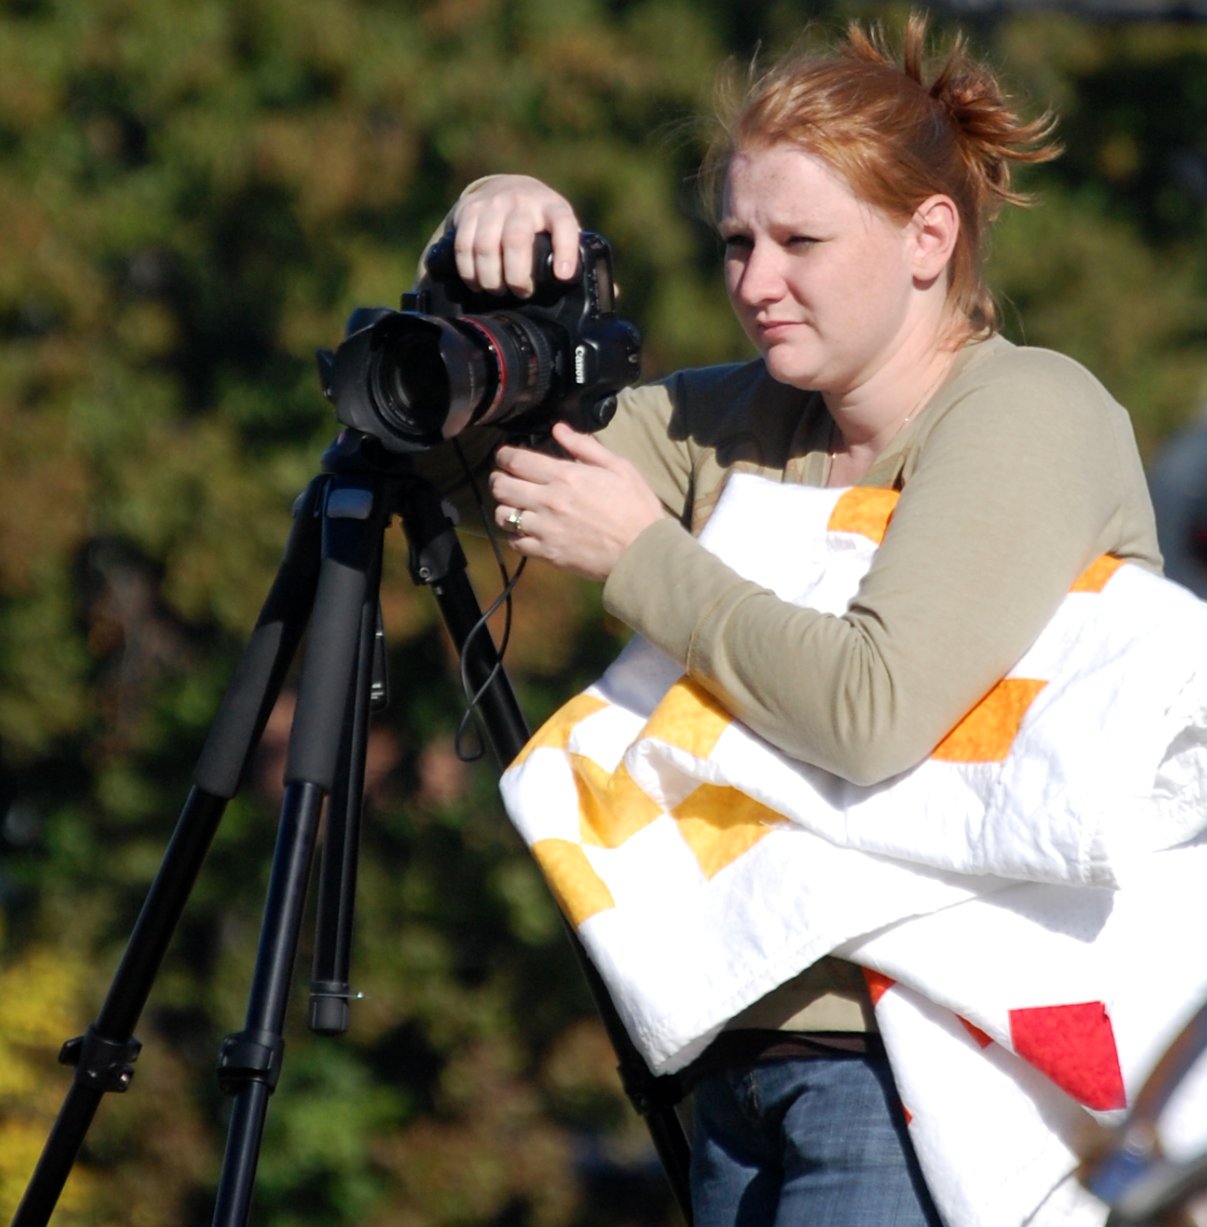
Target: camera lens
{"x":426,"y":378}
{"x":430,"y":377}
{"x":524,"y":363}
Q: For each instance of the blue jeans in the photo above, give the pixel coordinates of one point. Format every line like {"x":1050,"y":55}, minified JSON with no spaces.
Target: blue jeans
{"x":805,"y":1142}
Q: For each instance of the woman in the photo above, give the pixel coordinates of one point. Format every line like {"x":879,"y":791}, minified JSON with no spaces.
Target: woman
{"x":854,"y":191}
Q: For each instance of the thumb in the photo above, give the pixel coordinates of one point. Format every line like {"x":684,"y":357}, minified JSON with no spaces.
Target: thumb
{"x":581,"y":446}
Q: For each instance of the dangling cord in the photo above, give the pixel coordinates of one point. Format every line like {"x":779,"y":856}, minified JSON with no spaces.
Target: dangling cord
{"x":503,"y":601}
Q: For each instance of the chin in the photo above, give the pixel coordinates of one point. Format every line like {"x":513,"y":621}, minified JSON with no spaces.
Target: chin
{"x":795,"y":374}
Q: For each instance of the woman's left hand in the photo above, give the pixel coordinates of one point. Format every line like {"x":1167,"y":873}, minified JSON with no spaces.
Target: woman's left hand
{"x":579,"y":513}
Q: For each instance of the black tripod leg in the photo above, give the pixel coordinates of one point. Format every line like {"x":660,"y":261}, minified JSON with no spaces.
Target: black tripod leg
{"x":354,"y":517}
{"x":104,"y":1056}
{"x":330,"y":991}
{"x":438,"y":561}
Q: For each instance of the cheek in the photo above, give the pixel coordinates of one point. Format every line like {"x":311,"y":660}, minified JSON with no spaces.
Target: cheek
{"x":874,"y":288}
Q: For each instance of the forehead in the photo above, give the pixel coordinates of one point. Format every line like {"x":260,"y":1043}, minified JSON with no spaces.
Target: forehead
{"x":784,"y":180}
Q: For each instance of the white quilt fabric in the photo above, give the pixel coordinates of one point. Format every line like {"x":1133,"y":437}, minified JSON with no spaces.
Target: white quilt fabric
{"x":1027,"y":902}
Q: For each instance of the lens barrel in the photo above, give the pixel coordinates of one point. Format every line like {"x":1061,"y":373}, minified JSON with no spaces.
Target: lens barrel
{"x":429,"y":378}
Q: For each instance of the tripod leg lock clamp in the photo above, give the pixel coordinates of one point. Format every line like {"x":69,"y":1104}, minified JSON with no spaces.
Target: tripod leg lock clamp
{"x":250,"y":1056}
{"x":101,"y":1064}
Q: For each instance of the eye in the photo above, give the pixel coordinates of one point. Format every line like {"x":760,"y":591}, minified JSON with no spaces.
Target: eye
{"x":736,"y":243}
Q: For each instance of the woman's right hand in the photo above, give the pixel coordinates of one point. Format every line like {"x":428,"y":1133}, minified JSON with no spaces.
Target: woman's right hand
{"x":497,"y":221}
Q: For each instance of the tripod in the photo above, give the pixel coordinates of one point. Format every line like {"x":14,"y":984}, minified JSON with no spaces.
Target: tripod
{"x":328,"y":581}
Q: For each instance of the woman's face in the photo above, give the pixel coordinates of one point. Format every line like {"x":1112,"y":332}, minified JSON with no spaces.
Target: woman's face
{"x":822,"y":283}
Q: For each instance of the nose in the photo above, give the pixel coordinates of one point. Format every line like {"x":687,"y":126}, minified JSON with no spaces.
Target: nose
{"x":755,"y":278}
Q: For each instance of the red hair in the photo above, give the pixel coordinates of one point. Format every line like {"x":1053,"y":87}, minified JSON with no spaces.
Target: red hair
{"x":898,"y":130}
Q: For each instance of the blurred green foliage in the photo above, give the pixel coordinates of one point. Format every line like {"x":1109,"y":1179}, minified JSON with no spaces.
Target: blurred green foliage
{"x":192,"y":197}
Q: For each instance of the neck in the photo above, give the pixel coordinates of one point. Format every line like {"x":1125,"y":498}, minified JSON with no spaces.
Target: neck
{"x":868,"y":419}
{"x":871,"y":414}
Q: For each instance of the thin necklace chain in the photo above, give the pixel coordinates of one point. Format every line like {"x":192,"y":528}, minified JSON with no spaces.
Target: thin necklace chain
{"x":905,"y":421}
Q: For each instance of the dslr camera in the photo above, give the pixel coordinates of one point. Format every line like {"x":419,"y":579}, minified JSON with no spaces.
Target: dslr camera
{"x":453,"y":357}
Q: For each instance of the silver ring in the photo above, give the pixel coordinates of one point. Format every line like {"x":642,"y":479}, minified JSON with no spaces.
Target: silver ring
{"x":515,"y":522}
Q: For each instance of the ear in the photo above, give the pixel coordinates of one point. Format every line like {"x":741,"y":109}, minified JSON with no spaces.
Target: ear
{"x":936,"y":227}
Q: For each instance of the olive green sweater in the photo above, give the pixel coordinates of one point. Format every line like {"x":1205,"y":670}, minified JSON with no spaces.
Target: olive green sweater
{"x":1018,"y":473}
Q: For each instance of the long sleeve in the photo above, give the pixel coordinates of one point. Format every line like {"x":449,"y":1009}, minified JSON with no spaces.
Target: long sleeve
{"x":1013,"y":480}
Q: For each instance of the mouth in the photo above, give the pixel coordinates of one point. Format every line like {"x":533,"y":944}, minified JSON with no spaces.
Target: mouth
{"x":772,"y":330}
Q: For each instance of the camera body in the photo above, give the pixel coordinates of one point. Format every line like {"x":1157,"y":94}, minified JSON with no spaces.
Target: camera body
{"x":454,"y":357}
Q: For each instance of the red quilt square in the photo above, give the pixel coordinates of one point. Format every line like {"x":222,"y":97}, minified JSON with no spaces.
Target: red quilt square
{"x":1075,"y":1046}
